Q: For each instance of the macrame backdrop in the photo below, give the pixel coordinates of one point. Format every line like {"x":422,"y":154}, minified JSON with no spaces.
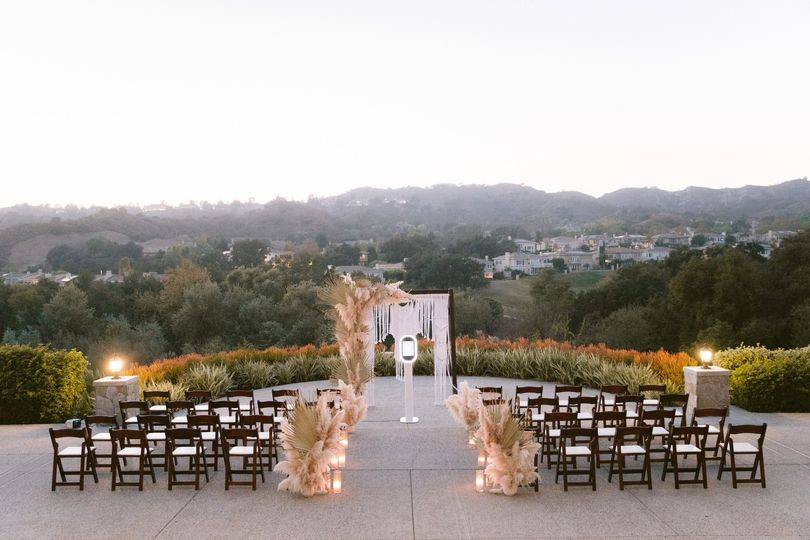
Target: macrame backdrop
{"x":427,"y":315}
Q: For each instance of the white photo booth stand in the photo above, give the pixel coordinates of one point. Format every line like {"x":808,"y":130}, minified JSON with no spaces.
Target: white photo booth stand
{"x":430,"y":315}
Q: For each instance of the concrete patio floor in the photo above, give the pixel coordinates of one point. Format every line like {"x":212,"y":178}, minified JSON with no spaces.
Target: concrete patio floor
{"x":409,"y":481}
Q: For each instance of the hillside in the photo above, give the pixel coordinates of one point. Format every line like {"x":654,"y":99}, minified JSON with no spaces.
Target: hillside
{"x":381,"y":213}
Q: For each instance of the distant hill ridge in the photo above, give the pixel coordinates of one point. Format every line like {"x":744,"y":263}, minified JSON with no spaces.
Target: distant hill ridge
{"x":378,"y":213}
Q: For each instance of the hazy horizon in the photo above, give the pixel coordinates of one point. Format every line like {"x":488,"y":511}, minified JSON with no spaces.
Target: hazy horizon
{"x":137,"y":103}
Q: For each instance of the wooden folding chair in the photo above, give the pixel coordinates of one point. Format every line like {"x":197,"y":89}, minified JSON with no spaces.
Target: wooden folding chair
{"x":265,"y":424}
{"x":131,"y":443}
{"x":702,"y":417}
{"x":101,"y":437}
{"x":210,"y":428}
{"x":157,"y":400}
{"x":606,"y":423}
{"x":651,"y":393}
{"x":127,"y":417}
{"x":571,"y":450}
{"x":155,"y":426}
{"x":179,"y":411}
{"x":552,"y":425}
{"x":660,"y":420}
{"x":241,"y":443}
{"x":732,"y":449}
{"x":608,"y":402}
{"x":631,"y":404}
{"x":676,"y":403}
{"x":227,"y":409}
{"x":185,"y":443}
{"x":676,"y":449}
{"x":631,"y":441}
{"x":522,"y":395}
{"x":584,"y":406}
{"x":85,"y":453}
{"x":288,"y":395}
{"x":565,"y":391}
{"x":491,"y":393}
{"x":200,"y":399}
{"x":245,"y":407}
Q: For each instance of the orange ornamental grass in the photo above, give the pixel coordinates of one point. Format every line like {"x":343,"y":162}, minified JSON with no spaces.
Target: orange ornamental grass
{"x":172,"y":369}
{"x":668,"y":365}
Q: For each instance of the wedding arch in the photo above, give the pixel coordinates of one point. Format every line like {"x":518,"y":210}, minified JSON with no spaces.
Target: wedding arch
{"x":429,"y":313}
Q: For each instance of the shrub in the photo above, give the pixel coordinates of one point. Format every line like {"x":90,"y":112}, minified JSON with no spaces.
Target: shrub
{"x":765,"y":380}
{"x":251,"y":374}
{"x":176,"y":390}
{"x":38,"y":384}
{"x":213,"y":378}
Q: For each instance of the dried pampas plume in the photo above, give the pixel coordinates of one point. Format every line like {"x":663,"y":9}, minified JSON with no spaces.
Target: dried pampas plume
{"x":352,"y":404}
{"x":464,"y":406}
{"x":510,"y":450}
{"x":310,"y":439}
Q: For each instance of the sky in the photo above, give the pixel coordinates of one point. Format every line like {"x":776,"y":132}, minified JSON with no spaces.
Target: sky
{"x":114,"y":102}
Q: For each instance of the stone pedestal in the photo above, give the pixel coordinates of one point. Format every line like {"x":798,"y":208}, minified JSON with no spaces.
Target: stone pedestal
{"x":706,"y":387}
{"x":111,"y":390}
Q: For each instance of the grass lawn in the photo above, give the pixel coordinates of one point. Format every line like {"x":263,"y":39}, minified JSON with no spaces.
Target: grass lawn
{"x":515,"y":295}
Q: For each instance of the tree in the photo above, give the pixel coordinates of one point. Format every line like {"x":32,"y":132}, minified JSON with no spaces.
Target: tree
{"x":67,"y":313}
{"x":444,"y":271}
{"x":400,"y":248}
{"x":477,"y":315}
{"x":553,"y":305}
{"x":342,"y":255}
{"x":248,"y":253}
{"x":201,"y":316}
{"x":178,"y":280}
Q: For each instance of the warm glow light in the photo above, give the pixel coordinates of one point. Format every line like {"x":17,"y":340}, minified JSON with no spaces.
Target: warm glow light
{"x":479,"y":481}
{"x":482,"y":459}
{"x":706,"y":357}
{"x":341,"y":459}
{"x":337,"y":481}
{"x":115,"y":366}
{"x":471,"y":442}
{"x":343,"y":439}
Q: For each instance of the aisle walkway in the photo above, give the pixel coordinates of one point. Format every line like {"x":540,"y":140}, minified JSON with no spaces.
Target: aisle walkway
{"x":411,"y":481}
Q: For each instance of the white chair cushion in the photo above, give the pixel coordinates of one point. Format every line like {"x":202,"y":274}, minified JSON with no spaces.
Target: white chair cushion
{"x":132,"y":420}
{"x":606,"y":431}
{"x":180,"y":420}
{"x":72,"y":451}
{"x":184,"y":451}
{"x":244,"y":407}
{"x":156,"y":436}
{"x":650,"y":402}
{"x":227,"y":419}
{"x":686,"y":449}
{"x":538,"y":417}
{"x":659,"y":431}
{"x":131,"y":451}
{"x":241,"y":451}
{"x":554,"y":433}
{"x":101,"y":436}
{"x":157,"y":408}
{"x":209,"y":435}
{"x":608,"y":400}
{"x":577,"y":451}
{"x":202,"y":407}
{"x":713,"y":430}
{"x":632,"y":414}
{"x":279,"y":419}
{"x":563,"y":402}
{"x":524,"y":403}
{"x":631,"y":449}
{"x":584,"y":416}
{"x":744,"y":448}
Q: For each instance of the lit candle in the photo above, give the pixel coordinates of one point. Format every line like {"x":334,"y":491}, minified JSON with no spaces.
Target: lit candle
{"x":482,"y":459}
{"x":337,"y":481}
{"x":471,"y":442}
{"x":115,"y":366}
{"x":341,"y":459}
{"x":343,"y":439}
{"x":706,"y":358}
{"x":479,"y":481}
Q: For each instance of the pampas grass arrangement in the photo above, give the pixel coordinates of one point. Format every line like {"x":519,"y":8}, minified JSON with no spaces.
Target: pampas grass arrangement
{"x":464,"y":406}
{"x":310,"y":439}
{"x":510,"y":450}
{"x":350,"y":302}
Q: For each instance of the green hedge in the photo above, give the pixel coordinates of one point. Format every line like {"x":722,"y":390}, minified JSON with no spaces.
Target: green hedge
{"x":766,"y":380}
{"x":40,"y":385}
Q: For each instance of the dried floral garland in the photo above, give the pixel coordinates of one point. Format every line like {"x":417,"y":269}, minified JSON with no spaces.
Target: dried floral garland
{"x":310,"y":440}
{"x":510,"y":450}
{"x":464,"y":406}
{"x":350,"y":300}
